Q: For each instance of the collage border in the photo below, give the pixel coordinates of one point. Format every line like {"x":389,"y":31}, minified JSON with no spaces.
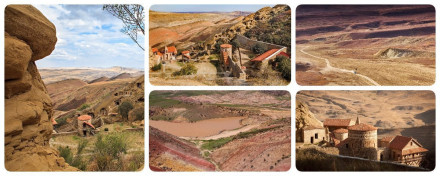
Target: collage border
{"x":293,"y":87}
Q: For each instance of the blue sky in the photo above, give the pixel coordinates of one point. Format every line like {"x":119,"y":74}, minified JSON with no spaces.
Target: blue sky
{"x":208,"y":8}
{"x":89,"y":37}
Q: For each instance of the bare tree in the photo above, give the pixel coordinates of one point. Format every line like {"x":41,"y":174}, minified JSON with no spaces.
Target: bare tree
{"x":133,"y":18}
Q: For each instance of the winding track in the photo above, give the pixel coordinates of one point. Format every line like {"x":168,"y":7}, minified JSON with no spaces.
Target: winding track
{"x":329,"y":67}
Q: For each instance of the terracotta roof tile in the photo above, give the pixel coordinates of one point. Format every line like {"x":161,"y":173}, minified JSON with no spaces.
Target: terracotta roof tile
{"x":342,"y":143}
{"x":89,"y":124}
{"x":185,"y":52}
{"x":337,"y":122}
{"x":282,"y":53}
{"x":54,"y":122}
{"x":340,"y":130}
{"x":414,"y":150}
{"x":264,"y":55}
{"x":399,"y":142}
{"x":84,"y":117}
{"x":154,"y":50}
{"x":362,"y":127}
{"x":387,"y":139}
{"x":225,"y":45}
{"x":172,"y":49}
{"x":336,"y":141}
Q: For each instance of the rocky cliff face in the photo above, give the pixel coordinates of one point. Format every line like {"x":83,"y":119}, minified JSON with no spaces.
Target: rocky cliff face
{"x":29,"y":36}
{"x":304,"y":118}
{"x":250,"y":21}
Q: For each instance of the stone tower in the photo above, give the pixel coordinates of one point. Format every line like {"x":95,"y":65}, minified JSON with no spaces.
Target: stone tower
{"x":361,"y":142}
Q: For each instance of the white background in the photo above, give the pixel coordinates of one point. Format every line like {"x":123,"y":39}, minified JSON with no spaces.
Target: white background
{"x":293,"y":88}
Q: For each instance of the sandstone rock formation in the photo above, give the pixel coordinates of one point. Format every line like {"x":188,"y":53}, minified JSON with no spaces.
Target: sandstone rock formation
{"x":29,"y":36}
{"x":250,"y":21}
{"x":304,"y":118}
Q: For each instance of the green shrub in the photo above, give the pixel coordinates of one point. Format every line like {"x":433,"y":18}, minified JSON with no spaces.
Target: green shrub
{"x":213,"y":144}
{"x":188,"y":69}
{"x":284,"y":66}
{"x":108,"y":152}
{"x":83,"y":106}
{"x":66,"y":153}
{"x":139,"y":113}
{"x":259,"y":48}
{"x":156,"y":67}
{"x":105,"y":129}
{"x":124,"y":109}
{"x":77,"y":160}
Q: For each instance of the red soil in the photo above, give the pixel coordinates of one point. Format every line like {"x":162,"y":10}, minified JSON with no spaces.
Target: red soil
{"x":161,"y":143}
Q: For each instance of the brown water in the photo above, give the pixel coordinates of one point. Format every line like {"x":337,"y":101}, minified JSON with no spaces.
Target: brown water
{"x":202,"y":128}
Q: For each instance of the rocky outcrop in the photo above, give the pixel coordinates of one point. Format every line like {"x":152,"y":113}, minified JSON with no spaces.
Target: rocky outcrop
{"x":250,"y":21}
{"x":304,"y":118}
{"x":29,"y":36}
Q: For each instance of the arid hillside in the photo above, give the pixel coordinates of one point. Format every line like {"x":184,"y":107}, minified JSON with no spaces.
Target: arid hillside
{"x":365,"y":45}
{"x":72,"y":93}
{"x":51,"y":75}
{"x":232,"y":130}
{"x":185,"y":29}
{"x":383,"y":109}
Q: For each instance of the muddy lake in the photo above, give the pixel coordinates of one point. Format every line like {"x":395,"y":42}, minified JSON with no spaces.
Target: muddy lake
{"x":203,"y":128}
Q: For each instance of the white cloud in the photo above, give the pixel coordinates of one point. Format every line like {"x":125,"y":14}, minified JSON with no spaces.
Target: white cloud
{"x":89,"y":36}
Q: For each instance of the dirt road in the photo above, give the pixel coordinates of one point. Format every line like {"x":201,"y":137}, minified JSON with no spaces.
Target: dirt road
{"x":330,"y":68}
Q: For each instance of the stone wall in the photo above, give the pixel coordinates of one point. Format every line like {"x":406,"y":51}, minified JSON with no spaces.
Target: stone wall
{"x":29,"y":36}
{"x":318,"y":135}
{"x":247,"y":43}
{"x":341,"y":136}
{"x":361,"y":144}
{"x":236,"y":70}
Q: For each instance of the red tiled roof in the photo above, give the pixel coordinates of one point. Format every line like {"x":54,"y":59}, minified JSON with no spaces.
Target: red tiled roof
{"x":342,"y":143}
{"x":159,"y":53}
{"x":226,"y":46}
{"x":282,"y":53}
{"x":185,"y":52}
{"x":362,"y":127}
{"x":89,"y":124}
{"x":54,"y":122}
{"x":84,"y":117}
{"x":264,"y":55}
{"x":336,"y":141}
{"x":414,"y":150}
{"x":154,"y":50}
{"x":399,"y":142}
{"x":340,"y":130}
{"x":387,"y":139}
{"x":337,"y":122}
{"x":172,"y":49}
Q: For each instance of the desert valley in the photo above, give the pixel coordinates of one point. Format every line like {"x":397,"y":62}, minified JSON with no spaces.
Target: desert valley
{"x":220,"y":48}
{"x":220,"y":131}
{"x":396,"y":126}
{"x":365,"y":45}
